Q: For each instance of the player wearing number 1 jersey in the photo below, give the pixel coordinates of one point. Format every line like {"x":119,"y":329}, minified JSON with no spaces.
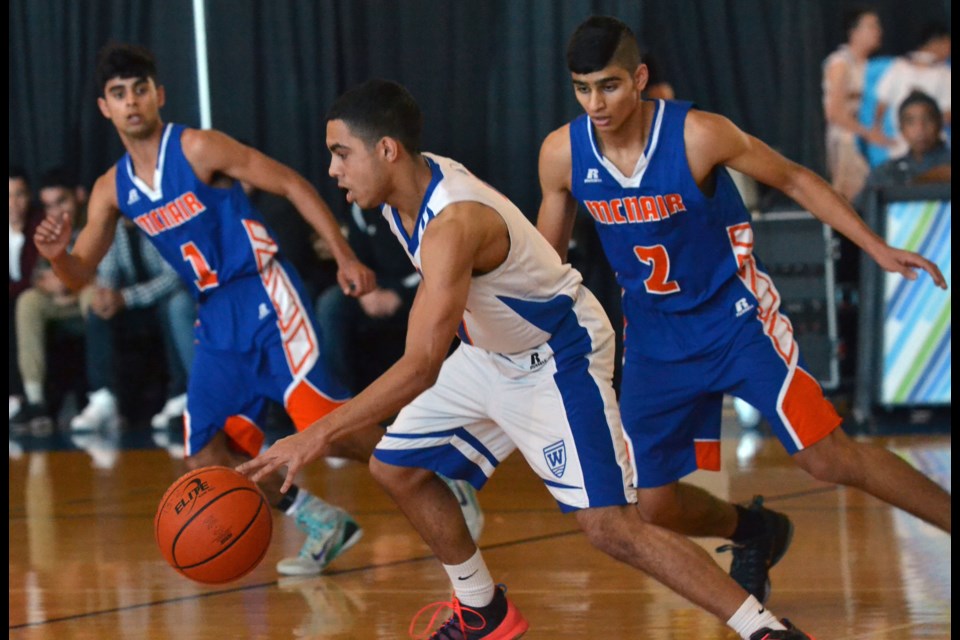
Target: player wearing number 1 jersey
{"x":256,"y":339}
{"x":702,"y":317}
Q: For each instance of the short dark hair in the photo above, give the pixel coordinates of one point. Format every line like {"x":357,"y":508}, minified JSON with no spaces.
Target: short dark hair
{"x":379,"y":108}
{"x":121,"y":60}
{"x":58,"y":177}
{"x":600,"y":41}
{"x":17,"y":172}
{"x":919,"y":97}
{"x":851,"y":18}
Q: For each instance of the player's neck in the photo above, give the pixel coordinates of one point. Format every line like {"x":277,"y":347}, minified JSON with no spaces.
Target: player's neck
{"x":410,"y":188}
{"x":143,"y":152}
{"x":630,"y":138}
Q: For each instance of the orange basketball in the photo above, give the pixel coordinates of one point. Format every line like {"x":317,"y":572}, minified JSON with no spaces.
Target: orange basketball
{"x":213,"y":525}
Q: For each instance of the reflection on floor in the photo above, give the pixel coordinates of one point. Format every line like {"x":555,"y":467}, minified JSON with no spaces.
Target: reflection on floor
{"x":83,"y":563}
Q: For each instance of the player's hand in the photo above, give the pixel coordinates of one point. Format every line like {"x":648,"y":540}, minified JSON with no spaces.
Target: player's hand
{"x":356,"y":278}
{"x":53,"y":236}
{"x":907,"y":262}
{"x":292,"y":452}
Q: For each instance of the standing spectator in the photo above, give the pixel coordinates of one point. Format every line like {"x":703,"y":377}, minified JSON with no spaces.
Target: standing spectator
{"x":23,"y":257}
{"x":135,"y":288}
{"x":349,"y":323}
{"x":843,"y":85}
{"x":924,"y":69}
{"x":48,"y":302}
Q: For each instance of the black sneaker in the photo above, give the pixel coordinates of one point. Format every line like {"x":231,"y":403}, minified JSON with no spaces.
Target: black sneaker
{"x":34,"y":416}
{"x":752,"y":559}
{"x":791,"y":633}
{"x":499,"y":620}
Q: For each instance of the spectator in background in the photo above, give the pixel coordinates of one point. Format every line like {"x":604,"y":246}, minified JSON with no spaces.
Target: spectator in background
{"x":924,"y":69}
{"x":927,"y":158}
{"x":24,"y":219}
{"x":843,"y":85}
{"x":363,"y":336}
{"x":47,"y":303}
{"x":135,"y":290}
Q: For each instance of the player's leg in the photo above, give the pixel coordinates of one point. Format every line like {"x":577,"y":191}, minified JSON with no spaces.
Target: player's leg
{"x":446,"y":431}
{"x":884,"y":475}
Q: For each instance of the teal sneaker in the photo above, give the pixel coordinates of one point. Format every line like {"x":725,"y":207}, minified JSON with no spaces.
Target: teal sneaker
{"x":330,"y":531}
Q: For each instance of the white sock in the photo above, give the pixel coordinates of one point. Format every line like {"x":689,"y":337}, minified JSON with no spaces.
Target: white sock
{"x":33,"y":391}
{"x":302,"y":496}
{"x":751,"y":617}
{"x":472,"y":582}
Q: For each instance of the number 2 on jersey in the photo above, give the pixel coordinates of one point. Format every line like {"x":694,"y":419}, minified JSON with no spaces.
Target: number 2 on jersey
{"x":658,"y":282}
{"x":206,"y":277}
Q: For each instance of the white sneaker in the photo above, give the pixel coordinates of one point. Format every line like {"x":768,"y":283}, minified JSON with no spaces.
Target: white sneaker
{"x":469,"y":504}
{"x":173,"y":408}
{"x":101,"y":411}
{"x":15,"y":403}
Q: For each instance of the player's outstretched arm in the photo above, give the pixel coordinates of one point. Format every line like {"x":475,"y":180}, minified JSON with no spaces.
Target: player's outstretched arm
{"x":78,"y":268}
{"x":211,"y":152}
{"x":448,"y":251}
{"x":558,"y":208}
{"x":713,"y":140}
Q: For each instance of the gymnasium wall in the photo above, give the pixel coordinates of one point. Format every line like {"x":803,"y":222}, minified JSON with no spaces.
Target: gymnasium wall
{"x":489,"y":75}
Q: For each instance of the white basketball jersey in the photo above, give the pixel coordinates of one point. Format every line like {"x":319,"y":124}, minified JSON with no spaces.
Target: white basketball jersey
{"x":518,"y":305}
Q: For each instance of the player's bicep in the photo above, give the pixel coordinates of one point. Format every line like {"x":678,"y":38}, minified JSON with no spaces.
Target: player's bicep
{"x":446,"y":266}
{"x":558,"y":208}
{"x":97,"y":234}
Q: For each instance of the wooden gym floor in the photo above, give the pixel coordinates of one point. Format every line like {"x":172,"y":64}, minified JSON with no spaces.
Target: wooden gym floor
{"x":84,"y":565}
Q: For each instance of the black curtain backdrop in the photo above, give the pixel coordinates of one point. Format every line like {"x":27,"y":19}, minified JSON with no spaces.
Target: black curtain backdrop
{"x":490,"y":76}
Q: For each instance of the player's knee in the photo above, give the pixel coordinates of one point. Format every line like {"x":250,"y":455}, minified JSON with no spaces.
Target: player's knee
{"x":391,"y":477}
{"x":657,"y":509}
{"x":604,"y":527}
{"x":829,"y":461}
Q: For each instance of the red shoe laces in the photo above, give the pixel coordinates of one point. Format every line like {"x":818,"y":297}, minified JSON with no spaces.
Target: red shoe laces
{"x":440,"y":607}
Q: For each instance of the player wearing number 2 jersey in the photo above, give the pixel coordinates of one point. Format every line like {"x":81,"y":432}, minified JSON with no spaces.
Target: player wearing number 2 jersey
{"x":256,"y":339}
{"x":702,"y":317}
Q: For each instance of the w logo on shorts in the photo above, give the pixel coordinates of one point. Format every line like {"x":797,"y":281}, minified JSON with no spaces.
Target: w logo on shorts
{"x":556,"y":457}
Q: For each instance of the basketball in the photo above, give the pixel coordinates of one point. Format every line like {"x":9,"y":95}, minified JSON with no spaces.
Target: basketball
{"x":213,"y":525}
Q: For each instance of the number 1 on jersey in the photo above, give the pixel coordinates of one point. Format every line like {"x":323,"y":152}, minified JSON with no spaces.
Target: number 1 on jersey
{"x":658,"y":282}
{"x":206,"y":277}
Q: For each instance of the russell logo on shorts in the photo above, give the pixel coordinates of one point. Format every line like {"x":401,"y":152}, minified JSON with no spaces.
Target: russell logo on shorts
{"x":556,"y":457}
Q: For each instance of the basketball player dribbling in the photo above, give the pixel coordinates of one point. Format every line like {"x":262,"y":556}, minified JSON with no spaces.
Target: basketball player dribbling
{"x":256,"y":338}
{"x":701,"y":315}
{"x":533,"y":372}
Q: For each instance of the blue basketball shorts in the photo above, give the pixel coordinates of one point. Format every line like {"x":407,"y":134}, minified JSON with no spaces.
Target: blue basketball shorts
{"x":256,"y":341}
{"x":677,"y":368}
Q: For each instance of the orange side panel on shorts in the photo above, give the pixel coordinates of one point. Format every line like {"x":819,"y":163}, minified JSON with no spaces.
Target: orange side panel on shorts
{"x":811,"y":415}
{"x":305,"y":405}
{"x":708,"y":454}
{"x":244,"y":436}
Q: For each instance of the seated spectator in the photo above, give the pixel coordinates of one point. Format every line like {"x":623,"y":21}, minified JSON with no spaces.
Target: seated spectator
{"x":136,"y":290}
{"x":927,"y":158}
{"x":47,"y":303}
{"x":924,"y":69}
{"x":24,"y":219}
{"x":363,"y":336}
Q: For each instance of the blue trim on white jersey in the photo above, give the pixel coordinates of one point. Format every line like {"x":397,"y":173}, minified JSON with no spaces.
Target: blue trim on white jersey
{"x":459,"y":432}
{"x":424,"y":215}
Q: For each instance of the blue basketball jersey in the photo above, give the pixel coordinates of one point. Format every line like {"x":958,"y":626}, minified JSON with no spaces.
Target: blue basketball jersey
{"x":210,"y":235}
{"x":672,"y":247}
